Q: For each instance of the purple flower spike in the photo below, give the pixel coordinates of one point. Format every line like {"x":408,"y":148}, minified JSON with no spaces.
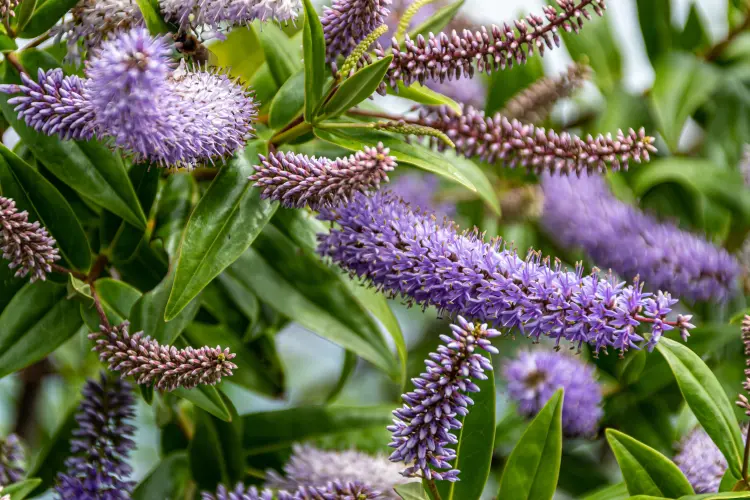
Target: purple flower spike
{"x":240,"y":492}
{"x":297,"y":180}
{"x":422,"y":427}
{"x":101,"y":444}
{"x":533,"y":378}
{"x":11,"y":460}
{"x":335,"y":490}
{"x":348,"y":22}
{"x":496,"y":139}
{"x":419,"y":190}
{"x":583,"y":213}
{"x":451,"y":56}
{"x":27,"y":246}
{"x":427,"y":262}
{"x":701,"y":461}
{"x":218,"y":14}
{"x":167,"y":367}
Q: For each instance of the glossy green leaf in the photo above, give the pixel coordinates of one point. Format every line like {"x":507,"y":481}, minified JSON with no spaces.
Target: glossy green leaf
{"x":265,"y":87}
{"x":23,"y":14}
{"x":357,"y":88}
{"x":169,"y":479}
{"x":288,"y":102}
{"x":411,"y":491}
{"x":682,"y":84}
{"x":207,"y":398}
{"x":215,"y":451}
{"x":7,"y":44}
{"x":90,"y":168}
{"x":707,"y":399}
{"x":314,"y":47}
{"x":250,"y":373}
{"x":475,"y":446}
{"x":21,"y":489}
{"x":463,"y":172}
{"x":534,"y":465}
{"x":240,"y":52}
{"x":45,"y":16}
{"x":438,"y":21}
{"x":34,"y":193}
{"x":35,"y":323}
{"x":148,"y":313}
{"x":117,"y":299}
{"x":152,"y":16}
{"x":646,"y":471}
{"x":223,"y":225}
{"x":282,"y":54}
{"x":173,"y":212}
{"x":279,"y":429}
{"x":424,"y":95}
{"x":615,"y":492}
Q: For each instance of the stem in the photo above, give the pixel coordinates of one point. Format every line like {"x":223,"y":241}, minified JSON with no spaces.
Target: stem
{"x":291,"y":133}
{"x":717,"y":49}
{"x":98,"y":305}
{"x":8,"y":29}
{"x":745,"y":460}
{"x":38,"y":40}
{"x":64,"y":270}
{"x":335,"y":125}
{"x":12,"y":58}
{"x":433,"y":489}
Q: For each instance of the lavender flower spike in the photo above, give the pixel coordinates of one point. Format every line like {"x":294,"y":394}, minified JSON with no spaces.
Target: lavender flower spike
{"x":582,"y":212}
{"x":29,"y":247}
{"x":419,"y":191}
{"x":311,"y":466}
{"x":240,"y":492}
{"x":533,"y":378}
{"x":743,"y":402}
{"x":348,"y":22}
{"x":498,"y":139}
{"x":218,"y":13}
{"x":101,"y":444}
{"x":427,"y":262}
{"x":165,"y":366}
{"x":57,"y":104}
{"x":422,"y":427}
{"x":445,"y":57}
{"x":335,"y":490}
{"x":297,"y":180}
{"x":11,"y":460}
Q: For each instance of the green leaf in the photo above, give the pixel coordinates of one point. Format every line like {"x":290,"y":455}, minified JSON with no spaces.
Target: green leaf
{"x":615,"y":492}
{"x":357,"y":88}
{"x":717,"y":496}
{"x":279,"y":429}
{"x":250,"y":372}
{"x":45,"y":204}
{"x":288,"y":102}
{"x":46,"y":16}
{"x":37,"y":320}
{"x":23,"y":14}
{"x":656,"y":26}
{"x":223,"y":225}
{"x":265,"y":87}
{"x":475,"y":446}
{"x":314,"y":47}
{"x":282,"y":53}
{"x":411,"y":491}
{"x":175,"y":205}
{"x":7,"y":44}
{"x":240,"y":52}
{"x":117,"y":299}
{"x":148,"y":313}
{"x":21,"y":489}
{"x":534,"y":464}
{"x":694,"y":35}
{"x":463,"y":172}
{"x":154,"y":20}
{"x":51,"y":457}
{"x":682,"y":84}
{"x":169,"y":479}
{"x":424,"y":95}
{"x":707,"y":399}
{"x":207,"y":398}
{"x":646,"y":471}
{"x":89,"y":168}
{"x":215,"y":450}
{"x":438,"y":21}
{"x":629,"y":371}
{"x":506,"y":84}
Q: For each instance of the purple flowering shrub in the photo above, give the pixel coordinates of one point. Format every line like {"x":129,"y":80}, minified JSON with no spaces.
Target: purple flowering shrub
{"x":218,"y":216}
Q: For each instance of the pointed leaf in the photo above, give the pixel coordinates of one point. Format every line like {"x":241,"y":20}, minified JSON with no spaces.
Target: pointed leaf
{"x":534,"y":464}
{"x":646,"y":471}
{"x":314,"y":47}
{"x":46,"y":16}
{"x":357,"y":87}
{"x":706,"y":398}
{"x":288,"y":102}
{"x":411,"y":491}
{"x":152,"y":16}
{"x":147,"y":314}
{"x":223,"y":225}
{"x":175,"y":205}
{"x":21,"y":489}
{"x":424,"y":95}
{"x":207,"y":398}
{"x":282,"y":54}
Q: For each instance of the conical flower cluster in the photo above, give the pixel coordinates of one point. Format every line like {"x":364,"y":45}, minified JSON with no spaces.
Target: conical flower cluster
{"x":297,"y":180}
{"x":348,"y":22}
{"x":28,"y":246}
{"x":218,"y":14}
{"x":701,"y":461}
{"x":334,"y":490}
{"x":166,"y":367}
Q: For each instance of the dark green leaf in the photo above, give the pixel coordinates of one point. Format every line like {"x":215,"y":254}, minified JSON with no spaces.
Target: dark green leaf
{"x":277,"y":430}
{"x":646,"y":471}
{"x":265,"y":87}
{"x":347,"y":370}
{"x":223,"y":225}
{"x":46,"y":16}
{"x":694,"y":36}
{"x":208,"y":398}
{"x":438,"y":21}
{"x":88,"y":167}
{"x":282,"y":54}
{"x":35,"y":323}
{"x":631,"y":368}
{"x":357,"y":88}
{"x":707,"y":399}
{"x":411,"y":491}
{"x":51,"y":457}
{"x":175,"y":205}
{"x":215,"y":451}
{"x":314,"y":47}
{"x":249,"y":373}
{"x":424,"y":95}
{"x":288,"y":102}
{"x":506,"y":84}
{"x":45,"y":204}
{"x":656,"y":26}
{"x":154,"y":20}
{"x":148,"y":314}
{"x":475,"y":446}
{"x":682,"y":83}
{"x":169,"y":479}
{"x":117,"y":299}
{"x":21,"y":489}
{"x":534,"y":465}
